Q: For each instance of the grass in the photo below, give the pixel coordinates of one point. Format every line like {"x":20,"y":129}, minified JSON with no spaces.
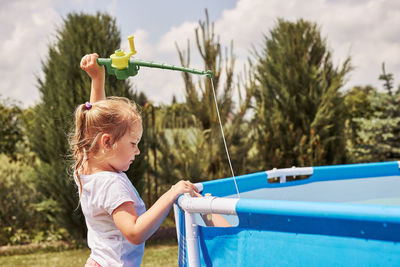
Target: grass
{"x":154,"y":255}
{"x":65,"y":258}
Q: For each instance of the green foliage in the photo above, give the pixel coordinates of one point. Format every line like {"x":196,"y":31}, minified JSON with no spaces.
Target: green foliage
{"x":375,"y":131}
{"x":10,"y":128}
{"x":200,"y":153}
{"x":299,"y":118}
{"x":387,"y":78}
{"x":137,"y":171}
{"x":146,"y":185}
{"x":182,"y":154}
{"x":15,"y":198}
{"x":64,"y":87}
{"x":210,"y":50}
{"x":20,"y":219}
{"x":183,"y":140}
{"x":357,"y":104}
{"x":298,"y":107}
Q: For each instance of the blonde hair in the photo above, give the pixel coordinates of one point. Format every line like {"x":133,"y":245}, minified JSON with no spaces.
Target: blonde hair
{"x":114,"y":116}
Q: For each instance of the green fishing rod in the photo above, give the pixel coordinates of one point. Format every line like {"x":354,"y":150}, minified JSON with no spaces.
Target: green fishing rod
{"x":123,"y":66}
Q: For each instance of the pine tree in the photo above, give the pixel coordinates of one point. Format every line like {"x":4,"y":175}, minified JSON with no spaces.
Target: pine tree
{"x":203,"y":138}
{"x":388,"y":80}
{"x":63,"y":87}
{"x":298,"y":106}
{"x":357,"y":104}
{"x":377,"y":135}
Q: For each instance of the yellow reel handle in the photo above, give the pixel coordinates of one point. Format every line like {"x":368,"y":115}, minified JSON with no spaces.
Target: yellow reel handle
{"x":132,"y":45}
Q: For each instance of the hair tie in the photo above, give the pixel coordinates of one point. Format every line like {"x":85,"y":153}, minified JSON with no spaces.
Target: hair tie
{"x":88,"y":105}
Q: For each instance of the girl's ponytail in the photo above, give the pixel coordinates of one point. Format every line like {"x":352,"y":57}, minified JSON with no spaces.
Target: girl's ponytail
{"x":77,"y":142}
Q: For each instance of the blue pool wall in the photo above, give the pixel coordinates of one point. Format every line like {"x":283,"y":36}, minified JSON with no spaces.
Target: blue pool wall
{"x":248,"y":182}
{"x":297,"y":233}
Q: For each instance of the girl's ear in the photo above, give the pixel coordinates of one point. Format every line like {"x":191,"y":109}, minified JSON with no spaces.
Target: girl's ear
{"x":105,"y":141}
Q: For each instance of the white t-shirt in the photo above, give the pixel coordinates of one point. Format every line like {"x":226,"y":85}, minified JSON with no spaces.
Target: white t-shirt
{"x":102,"y":193}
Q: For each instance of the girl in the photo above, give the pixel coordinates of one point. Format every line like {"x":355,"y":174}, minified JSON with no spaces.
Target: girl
{"x":105,"y":143}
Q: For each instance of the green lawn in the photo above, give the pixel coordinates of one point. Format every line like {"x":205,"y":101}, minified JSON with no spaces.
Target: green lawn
{"x":154,"y":255}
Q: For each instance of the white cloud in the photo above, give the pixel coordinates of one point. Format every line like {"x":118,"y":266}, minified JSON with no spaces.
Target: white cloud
{"x":23,"y":44}
{"x":112,"y":7}
{"x":178,"y":35}
{"x":159,"y":85}
{"x":142,"y":45}
{"x":365,"y":30}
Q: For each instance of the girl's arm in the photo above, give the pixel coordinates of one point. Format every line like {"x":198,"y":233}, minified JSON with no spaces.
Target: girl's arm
{"x":96,"y":73}
{"x":216,"y":220}
{"x":138,"y":229}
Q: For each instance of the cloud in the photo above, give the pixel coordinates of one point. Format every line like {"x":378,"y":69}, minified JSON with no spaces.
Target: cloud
{"x":23,"y":43}
{"x":142,"y":45}
{"x":159,"y":85}
{"x":112,"y":7}
{"x":364,"y":30}
{"x":179,"y":35}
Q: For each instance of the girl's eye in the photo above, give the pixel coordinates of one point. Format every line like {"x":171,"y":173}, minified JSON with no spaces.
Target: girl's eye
{"x":133,"y":144}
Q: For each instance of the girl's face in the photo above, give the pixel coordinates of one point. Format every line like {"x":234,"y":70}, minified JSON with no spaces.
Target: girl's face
{"x":123,"y":152}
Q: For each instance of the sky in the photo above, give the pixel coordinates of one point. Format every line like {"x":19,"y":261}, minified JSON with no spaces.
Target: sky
{"x":366,"y":30}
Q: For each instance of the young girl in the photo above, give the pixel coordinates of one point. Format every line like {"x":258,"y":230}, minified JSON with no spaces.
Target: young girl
{"x":105,"y":143}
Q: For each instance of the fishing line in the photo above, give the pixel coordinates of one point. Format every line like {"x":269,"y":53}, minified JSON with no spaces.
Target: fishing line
{"x":223,"y":137}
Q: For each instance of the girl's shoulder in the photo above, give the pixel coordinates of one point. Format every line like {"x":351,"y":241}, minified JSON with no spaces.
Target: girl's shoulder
{"x":106,"y":182}
{"x":102,"y":174}
{"x":104,"y":177}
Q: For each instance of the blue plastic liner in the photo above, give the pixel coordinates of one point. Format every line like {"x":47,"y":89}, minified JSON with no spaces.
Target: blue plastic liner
{"x":302,"y":233}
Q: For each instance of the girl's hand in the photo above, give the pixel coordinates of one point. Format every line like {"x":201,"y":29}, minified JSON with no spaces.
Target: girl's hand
{"x":184,"y":187}
{"x":89,"y":64}
{"x":196,"y":194}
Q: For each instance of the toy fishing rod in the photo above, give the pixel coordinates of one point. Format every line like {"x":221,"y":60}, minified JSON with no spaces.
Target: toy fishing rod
{"x":122,"y":66}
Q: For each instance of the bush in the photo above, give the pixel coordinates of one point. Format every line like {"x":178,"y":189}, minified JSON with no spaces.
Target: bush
{"x":23,"y":216}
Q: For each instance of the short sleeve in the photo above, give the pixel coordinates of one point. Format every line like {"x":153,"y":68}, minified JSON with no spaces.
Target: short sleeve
{"x":116,"y":193}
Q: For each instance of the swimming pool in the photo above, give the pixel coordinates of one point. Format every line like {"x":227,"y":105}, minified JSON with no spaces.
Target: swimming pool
{"x":342,"y":215}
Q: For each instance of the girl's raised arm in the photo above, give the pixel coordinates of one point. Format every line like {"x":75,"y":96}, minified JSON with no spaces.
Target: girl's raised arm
{"x":96,"y":73}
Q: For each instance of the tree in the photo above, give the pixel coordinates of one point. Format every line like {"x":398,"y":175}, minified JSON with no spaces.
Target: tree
{"x":11,"y":133}
{"x":20,"y":219}
{"x":202,"y":134}
{"x":388,"y":80}
{"x":357,"y":104}
{"x":377,"y":135}
{"x":298,"y":106}
{"x":63,"y":87}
